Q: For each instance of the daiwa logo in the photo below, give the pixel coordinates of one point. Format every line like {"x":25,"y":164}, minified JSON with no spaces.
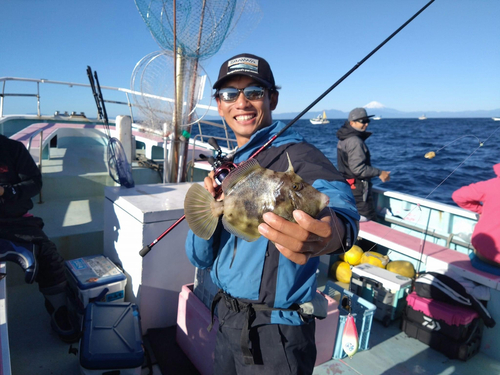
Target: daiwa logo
{"x":244,"y":60}
{"x":240,"y":64}
{"x":431,"y":324}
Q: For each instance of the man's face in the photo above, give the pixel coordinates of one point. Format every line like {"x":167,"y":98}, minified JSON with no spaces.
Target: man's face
{"x":246,"y":116}
{"x":360,"y":125}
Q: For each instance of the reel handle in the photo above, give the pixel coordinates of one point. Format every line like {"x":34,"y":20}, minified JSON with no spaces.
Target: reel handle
{"x":213,"y":142}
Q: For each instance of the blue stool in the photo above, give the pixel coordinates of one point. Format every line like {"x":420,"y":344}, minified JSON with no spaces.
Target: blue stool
{"x":483,"y":266}
{"x":23,"y":254}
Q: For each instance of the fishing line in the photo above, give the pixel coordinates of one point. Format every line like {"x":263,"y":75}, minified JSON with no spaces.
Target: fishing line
{"x":148,"y":248}
{"x":444,"y":180}
{"x":463,"y":136}
{"x":340,"y":80}
{"x":431,"y":155}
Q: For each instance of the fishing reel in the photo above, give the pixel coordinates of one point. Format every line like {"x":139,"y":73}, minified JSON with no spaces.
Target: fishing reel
{"x":221,"y":166}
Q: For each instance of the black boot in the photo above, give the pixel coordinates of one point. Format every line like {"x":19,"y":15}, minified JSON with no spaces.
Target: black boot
{"x":60,"y":318}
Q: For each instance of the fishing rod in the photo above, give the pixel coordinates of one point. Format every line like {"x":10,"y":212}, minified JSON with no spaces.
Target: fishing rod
{"x":96,"y":91}
{"x":119,"y":169}
{"x":225,"y":169}
{"x":340,"y":80}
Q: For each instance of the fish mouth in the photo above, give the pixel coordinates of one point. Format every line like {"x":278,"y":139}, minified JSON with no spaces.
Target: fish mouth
{"x":246,"y":117}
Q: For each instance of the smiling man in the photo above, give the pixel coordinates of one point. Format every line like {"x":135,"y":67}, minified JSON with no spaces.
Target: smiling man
{"x":247,"y":113}
{"x":266,"y":323}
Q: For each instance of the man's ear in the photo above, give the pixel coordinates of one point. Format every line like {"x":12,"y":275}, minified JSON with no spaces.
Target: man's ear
{"x":221,"y":114}
{"x":274,"y":100}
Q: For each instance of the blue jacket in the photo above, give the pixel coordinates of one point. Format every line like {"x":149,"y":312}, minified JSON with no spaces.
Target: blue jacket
{"x":259,"y":273}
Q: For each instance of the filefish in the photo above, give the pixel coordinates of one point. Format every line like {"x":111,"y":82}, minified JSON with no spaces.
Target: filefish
{"x":249,"y":192}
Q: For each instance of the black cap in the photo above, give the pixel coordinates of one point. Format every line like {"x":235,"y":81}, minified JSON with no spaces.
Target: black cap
{"x":247,"y":65}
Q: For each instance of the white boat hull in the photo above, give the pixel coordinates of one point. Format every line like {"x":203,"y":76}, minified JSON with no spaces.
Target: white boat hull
{"x":319,"y":122}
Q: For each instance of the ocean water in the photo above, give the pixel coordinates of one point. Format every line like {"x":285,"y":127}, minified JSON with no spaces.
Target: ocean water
{"x":399,"y":146}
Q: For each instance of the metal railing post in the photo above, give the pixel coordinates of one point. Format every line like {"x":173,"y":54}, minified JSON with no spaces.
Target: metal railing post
{"x":1,"y":99}
{"x":40,"y":154}
{"x":38,"y":98}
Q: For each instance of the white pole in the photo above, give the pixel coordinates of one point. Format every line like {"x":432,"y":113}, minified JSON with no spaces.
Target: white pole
{"x":124,"y":135}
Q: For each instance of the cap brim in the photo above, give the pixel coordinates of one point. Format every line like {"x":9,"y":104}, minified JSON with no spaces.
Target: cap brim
{"x":362,"y":118}
{"x":219,"y":82}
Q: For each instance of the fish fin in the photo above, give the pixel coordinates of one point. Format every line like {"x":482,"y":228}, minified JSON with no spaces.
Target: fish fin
{"x":290,"y":166}
{"x":198,"y":211}
{"x":238,"y":233}
{"x":243,"y":170}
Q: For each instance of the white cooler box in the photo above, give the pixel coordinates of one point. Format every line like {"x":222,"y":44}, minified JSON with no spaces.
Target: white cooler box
{"x":95,"y":279}
{"x":386,"y":290}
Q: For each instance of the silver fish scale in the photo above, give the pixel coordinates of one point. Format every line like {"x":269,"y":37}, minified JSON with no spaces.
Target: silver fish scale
{"x":249,"y":192}
{"x":264,"y":190}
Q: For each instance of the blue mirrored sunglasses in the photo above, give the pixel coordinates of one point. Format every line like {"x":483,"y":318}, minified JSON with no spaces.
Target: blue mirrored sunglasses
{"x":230,"y":94}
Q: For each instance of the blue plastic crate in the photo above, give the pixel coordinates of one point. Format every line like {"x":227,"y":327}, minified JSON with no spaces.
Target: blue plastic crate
{"x":362,"y":311}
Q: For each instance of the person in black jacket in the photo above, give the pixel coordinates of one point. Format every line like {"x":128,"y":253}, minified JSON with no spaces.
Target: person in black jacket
{"x":353,"y":159}
{"x":20,"y":180}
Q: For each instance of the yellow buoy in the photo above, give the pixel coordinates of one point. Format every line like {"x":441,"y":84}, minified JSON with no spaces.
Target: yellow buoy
{"x":402,"y":267}
{"x":375,"y":259}
{"x":341,"y":271}
{"x":353,"y":256}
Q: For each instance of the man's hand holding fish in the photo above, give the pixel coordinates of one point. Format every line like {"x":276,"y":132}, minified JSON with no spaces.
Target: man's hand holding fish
{"x":308,"y":237}
{"x":211,"y":186}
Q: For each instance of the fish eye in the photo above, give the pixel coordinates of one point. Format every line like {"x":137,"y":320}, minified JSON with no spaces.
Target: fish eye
{"x":297,"y":186}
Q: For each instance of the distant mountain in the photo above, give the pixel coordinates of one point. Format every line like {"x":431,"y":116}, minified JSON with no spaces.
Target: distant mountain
{"x":378,"y":109}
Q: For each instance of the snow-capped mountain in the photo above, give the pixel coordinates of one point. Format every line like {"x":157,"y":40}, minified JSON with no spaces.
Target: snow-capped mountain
{"x":373,"y":105}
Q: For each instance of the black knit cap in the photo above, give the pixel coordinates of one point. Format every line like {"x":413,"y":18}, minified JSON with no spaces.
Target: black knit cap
{"x":247,"y":65}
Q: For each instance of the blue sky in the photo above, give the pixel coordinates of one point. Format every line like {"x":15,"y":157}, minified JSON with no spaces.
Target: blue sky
{"x":447,"y":59}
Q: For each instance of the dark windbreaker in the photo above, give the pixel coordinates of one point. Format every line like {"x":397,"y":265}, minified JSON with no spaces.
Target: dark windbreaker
{"x":353,"y":156}
{"x":20,"y":177}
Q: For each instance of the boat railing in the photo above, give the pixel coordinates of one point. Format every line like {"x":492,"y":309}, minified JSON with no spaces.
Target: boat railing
{"x":424,"y":218}
{"x":450,"y":238}
{"x":229,"y":141}
{"x":4,"y":94}
{"x":40,"y":154}
{"x":412,"y":199}
{"x":126,"y":92}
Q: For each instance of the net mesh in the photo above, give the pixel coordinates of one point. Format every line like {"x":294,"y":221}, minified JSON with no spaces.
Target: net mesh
{"x":153,"y":81}
{"x":202,"y":26}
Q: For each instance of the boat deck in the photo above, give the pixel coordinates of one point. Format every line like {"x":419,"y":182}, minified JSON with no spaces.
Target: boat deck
{"x":75,"y":223}
{"x":35,"y":349}
{"x":392,"y":352}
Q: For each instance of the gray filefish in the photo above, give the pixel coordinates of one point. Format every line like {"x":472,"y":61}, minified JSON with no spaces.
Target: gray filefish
{"x":249,"y":192}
